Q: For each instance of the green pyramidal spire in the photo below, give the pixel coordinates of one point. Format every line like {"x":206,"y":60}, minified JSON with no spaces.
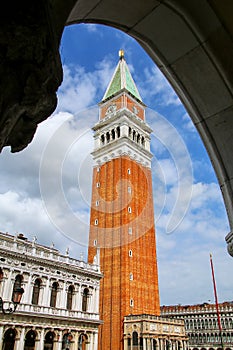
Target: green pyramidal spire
{"x":122,"y":79}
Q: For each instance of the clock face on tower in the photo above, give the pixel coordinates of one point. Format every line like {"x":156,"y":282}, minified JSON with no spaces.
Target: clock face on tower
{"x":111,"y":108}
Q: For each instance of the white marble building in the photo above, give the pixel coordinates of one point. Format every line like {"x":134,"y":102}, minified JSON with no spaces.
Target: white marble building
{"x":201,"y":324}
{"x":59,"y":309}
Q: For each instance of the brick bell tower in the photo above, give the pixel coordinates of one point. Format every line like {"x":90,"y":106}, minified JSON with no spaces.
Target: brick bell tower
{"x":122,"y":216}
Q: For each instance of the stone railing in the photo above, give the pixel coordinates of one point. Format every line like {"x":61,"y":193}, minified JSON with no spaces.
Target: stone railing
{"x":37,"y":310}
{"x":160,"y":319}
{"x":196,"y":310}
{"x":35,"y":250}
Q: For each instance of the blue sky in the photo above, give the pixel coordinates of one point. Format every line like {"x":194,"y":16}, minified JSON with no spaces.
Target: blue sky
{"x":45,"y":189}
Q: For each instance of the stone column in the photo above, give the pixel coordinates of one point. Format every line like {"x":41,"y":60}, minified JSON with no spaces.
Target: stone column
{"x":63,"y":296}
{"x":75,"y":298}
{"x":79,"y":301}
{"x":40,"y":345}
{"x":1,"y":336}
{"x":95,"y":341}
{"x":28,"y":291}
{"x":8,"y":287}
{"x":125,"y":344}
{"x":46,"y":294}
{"x":144,"y":343}
{"x":19,"y":344}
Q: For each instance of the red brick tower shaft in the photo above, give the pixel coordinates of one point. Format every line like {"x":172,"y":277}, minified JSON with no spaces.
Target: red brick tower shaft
{"x":122,"y":215}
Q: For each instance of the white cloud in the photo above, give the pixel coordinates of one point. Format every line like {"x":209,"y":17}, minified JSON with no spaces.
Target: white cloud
{"x":81,"y":89}
{"x":188,"y":123}
{"x":155,"y":86}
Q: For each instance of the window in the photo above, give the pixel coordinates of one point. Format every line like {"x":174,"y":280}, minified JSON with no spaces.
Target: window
{"x":53,"y":297}
{"x":95,"y":242}
{"x":130,"y":253}
{"x":130,"y":132}
{"x":97,"y":184}
{"x":97,"y":203}
{"x":143,"y":141}
{"x":129,"y":210}
{"x":131,"y":302}
{"x":36,"y":291}
{"x":130,"y":231}
{"x":135,"y":339}
{"x":128,"y":171}
{"x":17,"y":285}
{"x":1,"y":275}
{"x":85,"y":297}
{"x":129,"y":189}
{"x":70,"y":295}
{"x":131,"y":276}
{"x":96,"y":222}
{"x":134,"y":135}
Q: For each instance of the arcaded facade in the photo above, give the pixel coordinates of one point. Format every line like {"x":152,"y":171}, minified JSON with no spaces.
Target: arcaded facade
{"x":201,"y":324}
{"x":59,"y":309}
{"x":149,"y":332}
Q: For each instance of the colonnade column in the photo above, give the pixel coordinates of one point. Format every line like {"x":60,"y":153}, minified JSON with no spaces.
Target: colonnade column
{"x":41,"y":342}
{"x":8,"y":285}
{"x":1,"y":336}
{"x":63,"y":296}
{"x":19,"y":344}
{"x":79,"y":301}
{"x":96,"y":303}
{"x":95,"y":340}
{"x":59,"y":342}
{"x":28,"y":291}
{"x":46,"y":294}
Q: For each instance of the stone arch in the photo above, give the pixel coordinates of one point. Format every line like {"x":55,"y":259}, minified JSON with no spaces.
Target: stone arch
{"x":30,"y":340}
{"x":49,"y":340}
{"x":36,"y":291}
{"x":82,"y":341}
{"x":70,"y":297}
{"x":135,"y":340}
{"x":85,"y":293}
{"x":9,"y":339}
{"x":66,"y":340}
{"x":53,"y":296}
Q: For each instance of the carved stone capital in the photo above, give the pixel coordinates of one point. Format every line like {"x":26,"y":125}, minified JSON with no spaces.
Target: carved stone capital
{"x":229,"y":240}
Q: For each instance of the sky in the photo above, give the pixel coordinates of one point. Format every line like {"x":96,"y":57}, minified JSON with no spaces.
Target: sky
{"x":45,"y":189}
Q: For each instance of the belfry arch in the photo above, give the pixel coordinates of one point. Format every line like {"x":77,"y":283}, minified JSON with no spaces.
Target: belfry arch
{"x":190,"y":41}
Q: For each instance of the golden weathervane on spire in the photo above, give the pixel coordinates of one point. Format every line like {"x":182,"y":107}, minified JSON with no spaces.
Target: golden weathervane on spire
{"x":121,"y":54}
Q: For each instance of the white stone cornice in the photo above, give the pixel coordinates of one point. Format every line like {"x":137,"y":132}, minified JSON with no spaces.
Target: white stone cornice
{"x":122,"y":147}
{"x":118,"y":117}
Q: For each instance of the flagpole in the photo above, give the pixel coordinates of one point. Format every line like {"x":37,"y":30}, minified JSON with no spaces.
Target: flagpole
{"x":216,"y":301}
